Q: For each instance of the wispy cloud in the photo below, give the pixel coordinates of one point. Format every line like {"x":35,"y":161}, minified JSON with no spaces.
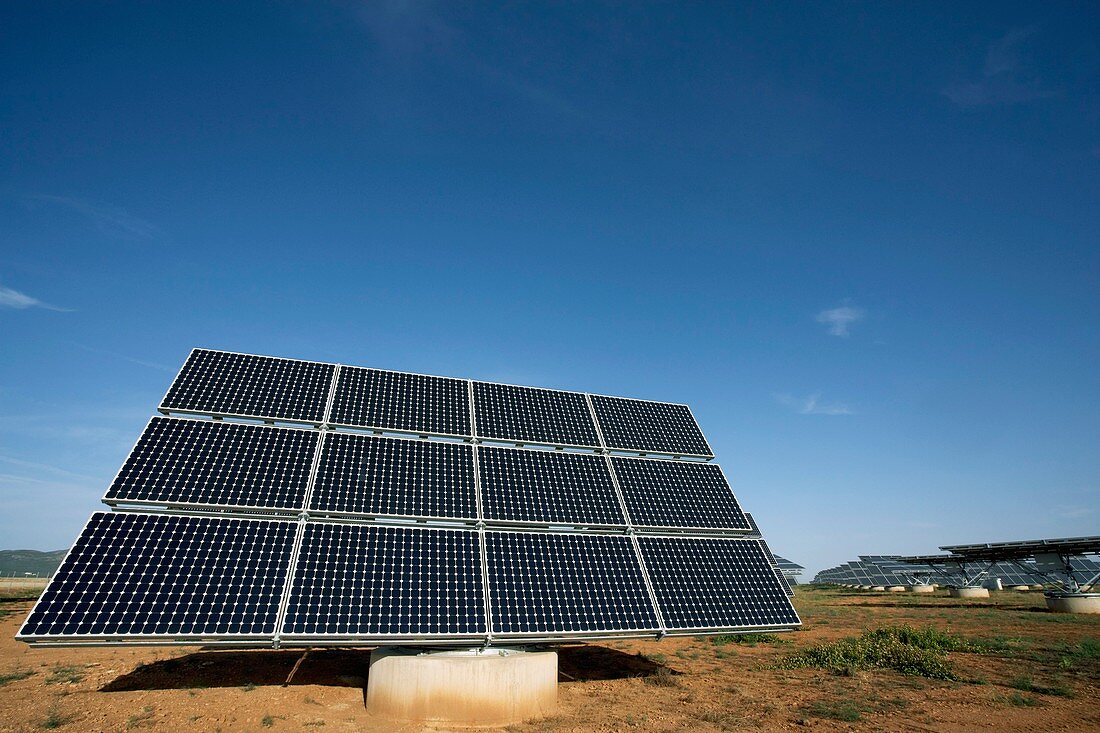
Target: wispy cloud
{"x":813,"y":405}
{"x":1066,"y":511}
{"x":109,"y":220}
{"x":124,"y":357}
{"x":409,"y":30}
{"x":10,"y":298}
{"x":839,"y":320}
{"x":1004,"y":77}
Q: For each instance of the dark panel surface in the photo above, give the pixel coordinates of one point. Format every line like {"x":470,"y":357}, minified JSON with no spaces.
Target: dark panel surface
{"x":544,"y":486}
{"x":356,"y":580}
{"x":205,"y":462}
{"x":677,"y":494}
{"x":141,"y":574}
{"x":653,"y":427}
{"x":361,"y":474}
{"x":552,"y":583}
{"x":223,"y":383}
{"x":414,"y":403}
{"x":529,"y":415}
{"x":704,"y":583}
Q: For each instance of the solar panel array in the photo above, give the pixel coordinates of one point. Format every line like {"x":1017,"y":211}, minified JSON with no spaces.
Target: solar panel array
{"x":360,"y":532}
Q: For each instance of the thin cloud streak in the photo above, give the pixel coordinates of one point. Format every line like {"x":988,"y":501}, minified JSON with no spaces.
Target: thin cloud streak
{"x":839,"y":320}
{"x":10,"y":298}
{"x":124,"y":357}
{"x":107,"y":219}
{"x":813,"y":405}
{"x":1004,"y":78}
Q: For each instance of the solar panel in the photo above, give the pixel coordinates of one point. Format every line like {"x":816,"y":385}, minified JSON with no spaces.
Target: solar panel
{"x":241,"y":385}
{"x":649,"y":427}
{"x":662,"y":493}
{"x":180,"y":462}
{"x":549,"y":584}
{"x":548,"y":487}
{"x":141,"y":575}
{"x":410,"y":403}
{"x":373,"y":582}
{"x":382,"y":476}
{"x":715,"y":583}
{"x":530,"y":415}
{"x":408,"y":541}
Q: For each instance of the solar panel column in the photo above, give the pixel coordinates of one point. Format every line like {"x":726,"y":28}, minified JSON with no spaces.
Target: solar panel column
{"x":303,"y":516}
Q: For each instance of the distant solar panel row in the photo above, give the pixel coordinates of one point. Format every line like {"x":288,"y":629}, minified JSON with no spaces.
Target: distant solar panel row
{"x":200,"y":464}
{"x":188,"y":578}
{"x":241,"y":385}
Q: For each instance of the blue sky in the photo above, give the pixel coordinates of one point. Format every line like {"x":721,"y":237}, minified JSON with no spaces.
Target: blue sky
{"x":862,"y":241}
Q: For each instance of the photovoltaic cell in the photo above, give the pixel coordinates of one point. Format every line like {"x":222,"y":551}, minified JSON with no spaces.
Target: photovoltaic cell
{"x":714,"y":583}
{"x":556,"y":584}
{"x":677,"y":494}
{"x":542,"y":486}
{"x":649,"y":427}
{"x":362,"y":474}
{"x":412,"y":403}
{"x":180,"y":462}
{"x":222,"y":383}
{"x":141,"y":575}
{"x":367,"y":581}
{"x":530,"y":415}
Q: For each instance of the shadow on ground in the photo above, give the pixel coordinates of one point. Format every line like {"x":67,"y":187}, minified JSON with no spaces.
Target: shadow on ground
{"x":338,"y":668}
{"x":591,"y":662}
{"x":330,"y":667}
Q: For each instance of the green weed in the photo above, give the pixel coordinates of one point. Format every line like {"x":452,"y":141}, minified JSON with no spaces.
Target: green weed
{"x":901,"y":649}
{"x":65,"y":675}
{"x":19,"y":674}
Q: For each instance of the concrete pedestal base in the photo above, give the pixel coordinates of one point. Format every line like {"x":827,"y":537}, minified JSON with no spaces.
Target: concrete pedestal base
{"x":1037,"y":586}
{"x":1020,"y":588}
{"x":865,"y":587}
{"x":921,"y":589}
{"x":481,"y":688}
{"x":1079,"y":603}
{"x":969,"y":593}
{"x":896,"y":589}
{"x":878,"y":587}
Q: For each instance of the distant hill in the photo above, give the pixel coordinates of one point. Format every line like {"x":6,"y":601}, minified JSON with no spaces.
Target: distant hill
{"x":29,"y":561}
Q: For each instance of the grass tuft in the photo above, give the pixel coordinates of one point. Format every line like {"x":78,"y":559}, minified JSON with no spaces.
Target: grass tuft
{"x":65,"y":675}
{"x":663,"y":677}
{"x":19,"y":674}
{"x":902,"y":649}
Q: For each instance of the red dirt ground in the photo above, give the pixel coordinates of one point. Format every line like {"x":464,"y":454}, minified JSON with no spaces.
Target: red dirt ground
{"x":682,"y":684}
